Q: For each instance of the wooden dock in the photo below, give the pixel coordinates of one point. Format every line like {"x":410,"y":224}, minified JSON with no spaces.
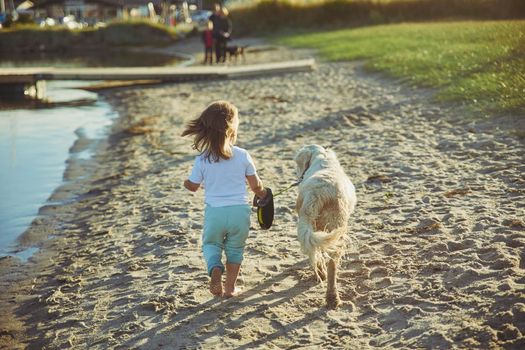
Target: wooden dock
{"x":30,"y":75}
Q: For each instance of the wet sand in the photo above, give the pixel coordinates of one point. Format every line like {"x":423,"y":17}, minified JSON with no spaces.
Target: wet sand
{"x":437,"y":242}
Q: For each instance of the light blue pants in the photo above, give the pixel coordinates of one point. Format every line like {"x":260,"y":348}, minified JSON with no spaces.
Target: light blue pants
{"x":225,"y":228}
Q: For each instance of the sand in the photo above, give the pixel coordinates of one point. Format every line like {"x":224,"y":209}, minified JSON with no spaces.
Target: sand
{"x":437,"y":242}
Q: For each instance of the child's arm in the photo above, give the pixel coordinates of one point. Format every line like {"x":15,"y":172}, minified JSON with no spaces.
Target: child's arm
{"x":190,"y":186}
{"x":195,"y":176}
{"x":256,"y":185}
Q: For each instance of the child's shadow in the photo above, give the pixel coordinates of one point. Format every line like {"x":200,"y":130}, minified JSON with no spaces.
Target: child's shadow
{"x":196,"y":324}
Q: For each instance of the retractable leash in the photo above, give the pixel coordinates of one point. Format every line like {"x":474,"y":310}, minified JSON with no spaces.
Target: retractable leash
{"x":265,"y":208}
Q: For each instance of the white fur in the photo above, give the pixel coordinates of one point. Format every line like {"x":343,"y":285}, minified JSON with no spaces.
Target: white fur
{"x":324,"y":204}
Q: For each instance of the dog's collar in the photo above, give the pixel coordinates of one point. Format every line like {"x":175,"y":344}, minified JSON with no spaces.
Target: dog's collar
{"x":302,"y":176}
{"x":304,"y":172}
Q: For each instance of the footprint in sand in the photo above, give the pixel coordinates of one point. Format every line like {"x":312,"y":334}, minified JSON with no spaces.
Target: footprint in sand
{"x":379,"y":277}
{"x":454,"y":246}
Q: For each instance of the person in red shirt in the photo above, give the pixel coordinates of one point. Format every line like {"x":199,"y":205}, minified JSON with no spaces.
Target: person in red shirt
{"x":207,"y":38}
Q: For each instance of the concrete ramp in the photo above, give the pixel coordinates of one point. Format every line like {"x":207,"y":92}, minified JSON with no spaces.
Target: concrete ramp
{"x":17,"y":75}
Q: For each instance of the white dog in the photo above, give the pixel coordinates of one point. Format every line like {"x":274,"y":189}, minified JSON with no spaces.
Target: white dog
{"x":325,"y":201}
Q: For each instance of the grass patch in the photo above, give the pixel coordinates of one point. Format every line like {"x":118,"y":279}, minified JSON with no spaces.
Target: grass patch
{"x":479,"y":64}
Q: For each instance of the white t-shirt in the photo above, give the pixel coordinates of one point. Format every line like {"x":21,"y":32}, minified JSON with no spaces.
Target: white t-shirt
{"x":225,"y":180}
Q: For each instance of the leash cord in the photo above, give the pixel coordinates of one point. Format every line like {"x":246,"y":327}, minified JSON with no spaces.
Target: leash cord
{"x":288,"y":188}
{"x":294,"y":184}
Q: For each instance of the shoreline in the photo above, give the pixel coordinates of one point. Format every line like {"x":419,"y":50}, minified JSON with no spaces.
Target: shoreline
{"x":39,"y":148}
{"x":124,"y":267}
{"x":18,"y":275}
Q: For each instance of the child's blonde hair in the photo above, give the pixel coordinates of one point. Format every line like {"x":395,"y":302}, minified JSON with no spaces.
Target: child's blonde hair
{"x":213,"y":129}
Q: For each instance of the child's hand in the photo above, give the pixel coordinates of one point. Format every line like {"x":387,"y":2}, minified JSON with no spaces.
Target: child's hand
{"x":264,"y":195}
{"x":190,"y":186}
{"x":261,"y":201}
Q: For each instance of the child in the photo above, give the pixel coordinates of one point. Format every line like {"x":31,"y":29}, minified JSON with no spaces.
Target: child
{"x":207,"y":38}
{"x":224,"y":169}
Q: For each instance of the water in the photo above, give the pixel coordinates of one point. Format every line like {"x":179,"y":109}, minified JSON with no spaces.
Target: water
{"x":34,"y":147}
{"x":85,"y":59}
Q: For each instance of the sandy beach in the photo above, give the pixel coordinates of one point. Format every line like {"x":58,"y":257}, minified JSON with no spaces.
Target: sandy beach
{"x":436,"y":258}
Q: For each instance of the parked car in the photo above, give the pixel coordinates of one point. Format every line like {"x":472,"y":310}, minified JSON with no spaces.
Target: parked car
{"x":70,"y":23}
{"x":46,"y":22}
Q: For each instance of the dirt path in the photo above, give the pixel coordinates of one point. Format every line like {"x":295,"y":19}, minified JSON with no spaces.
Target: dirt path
{"x":438,"y":238}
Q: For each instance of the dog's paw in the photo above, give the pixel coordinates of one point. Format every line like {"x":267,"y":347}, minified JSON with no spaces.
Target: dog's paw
{"x":320,"y":273}
{"x":332,"y":301}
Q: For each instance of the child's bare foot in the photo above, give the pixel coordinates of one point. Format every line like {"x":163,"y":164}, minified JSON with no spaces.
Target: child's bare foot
{"x":229,"y":294}
{"x":216,"y":281}
{"x":232,"y":271}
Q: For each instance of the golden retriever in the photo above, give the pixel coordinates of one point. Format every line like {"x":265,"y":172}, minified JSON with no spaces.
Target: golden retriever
{"x":325,"y":201}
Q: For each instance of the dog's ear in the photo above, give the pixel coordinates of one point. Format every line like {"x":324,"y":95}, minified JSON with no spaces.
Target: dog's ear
{"x":302,"y":160}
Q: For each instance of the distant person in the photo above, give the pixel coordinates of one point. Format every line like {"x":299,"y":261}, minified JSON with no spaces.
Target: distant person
{"x":214,"y":19}
{"x":224,"y":169}
{"x":207,"y":39}
{"x":224,"y":35}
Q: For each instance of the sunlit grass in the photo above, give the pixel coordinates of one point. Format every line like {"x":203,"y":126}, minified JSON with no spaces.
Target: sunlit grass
{"x":481,"y":64}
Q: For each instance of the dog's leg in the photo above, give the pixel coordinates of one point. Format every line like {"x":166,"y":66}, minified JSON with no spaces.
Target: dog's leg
{"x":299,"y":203}
{"x":320,"y":271}
{"x":332,"y":295}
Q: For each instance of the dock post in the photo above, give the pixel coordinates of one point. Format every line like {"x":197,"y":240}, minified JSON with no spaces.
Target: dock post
{"x":19,"y":88}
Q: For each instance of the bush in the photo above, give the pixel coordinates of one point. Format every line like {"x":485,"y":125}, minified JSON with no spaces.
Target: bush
{"x":272,"y":15}
{"x":136,"y":33}
{"x":25,"y":18}
{"x":31,"y":38}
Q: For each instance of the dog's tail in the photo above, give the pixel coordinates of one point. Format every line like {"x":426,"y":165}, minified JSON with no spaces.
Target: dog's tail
{"x":315,"y":243}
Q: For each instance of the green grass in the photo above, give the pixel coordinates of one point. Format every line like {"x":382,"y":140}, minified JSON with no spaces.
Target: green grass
{"x":479,"y":64}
